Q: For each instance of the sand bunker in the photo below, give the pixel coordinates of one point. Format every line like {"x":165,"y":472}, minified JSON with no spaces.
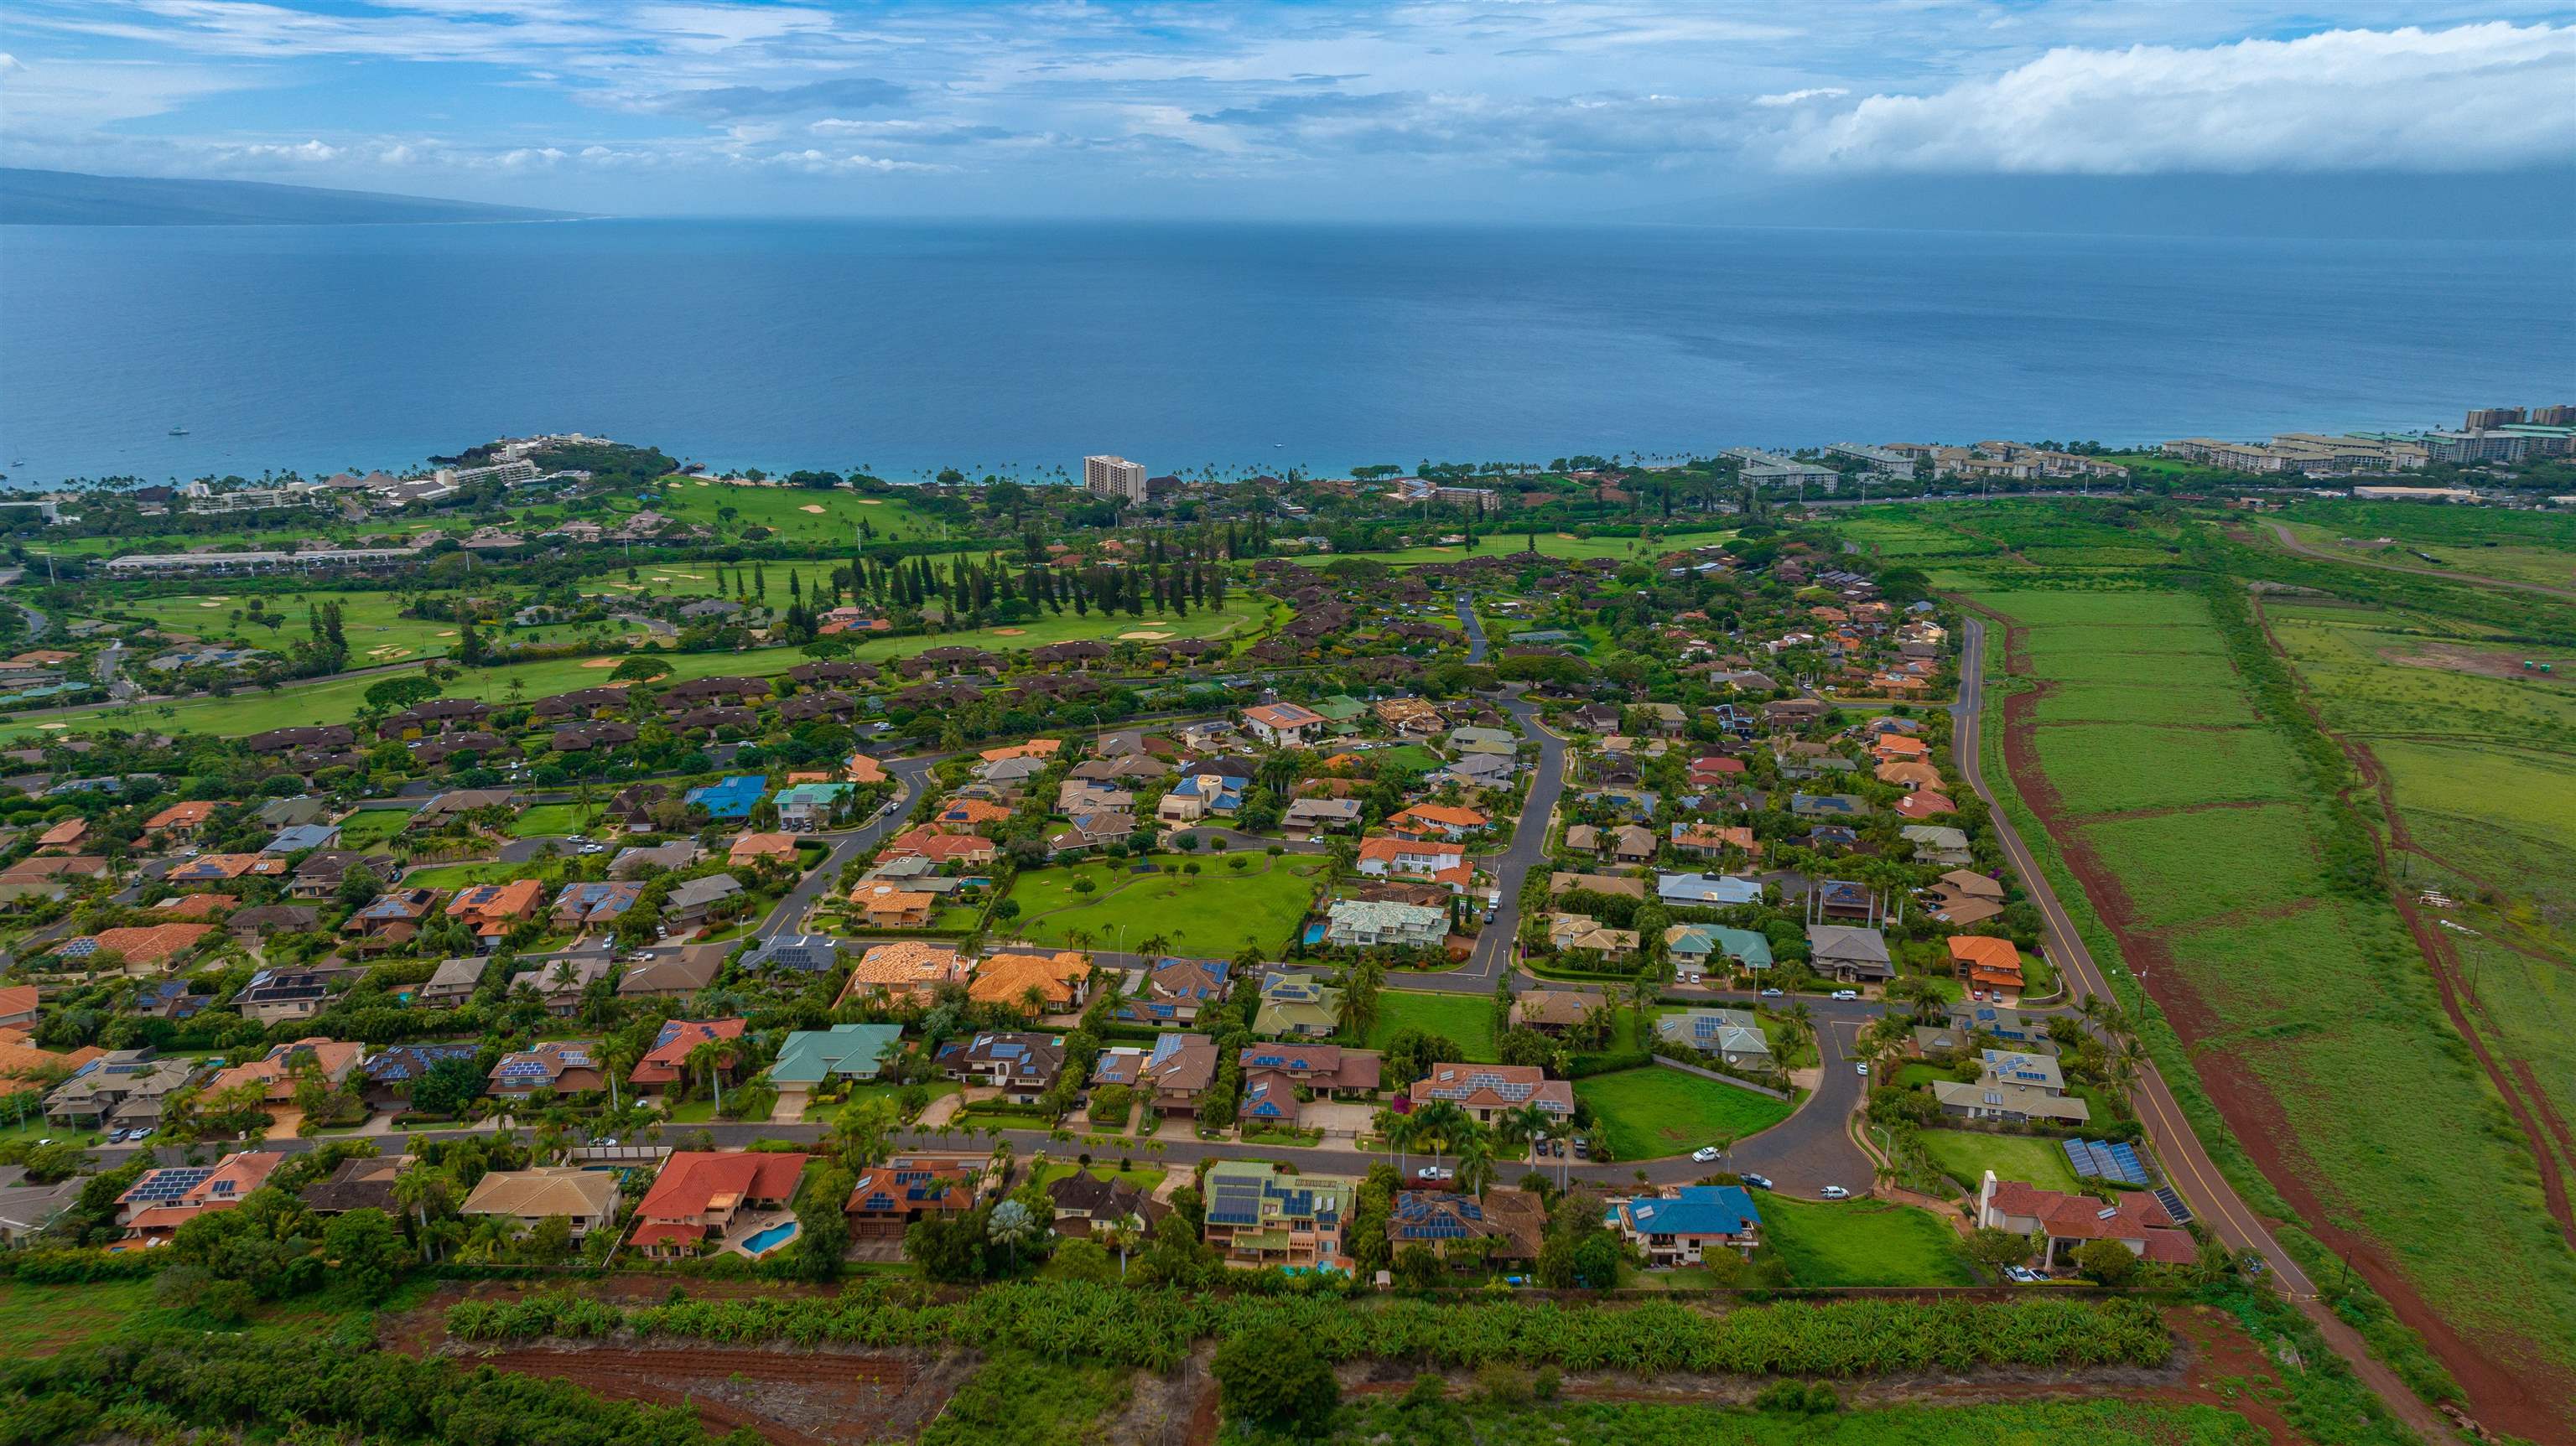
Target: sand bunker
{"x":56,"y":727}
{"x":703,"y":482}
{"x":601,"y":662}
{"x":1010,"y":632}
{"x":1143,"y":637}
{"x":1568,"y":536}
{"x":871,"y":502}
{"x":212,"y":603}
{"x":451,"y":632}
{"x":810,"y":507}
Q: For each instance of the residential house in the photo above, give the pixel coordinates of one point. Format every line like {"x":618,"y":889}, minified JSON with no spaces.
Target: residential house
{"x":940,"y":847}
{"x":491,"y":911}
{"x":299,"y":837}
{"x":366,"y":1184}
{"x":1283,"y":725}
{"x":906,"y":1188}
{"x":1732,"y":1035}
{"x":1701,"y":891}
{"x":563,"y":980}
{"x":1170,"y":1077}
{"x":273,"y":995}
{"x":914,"y":967}
{"x":585,"y":906}
{"x":1369,"y":924}
{"x":388,"y":1074}
{"x":692,"y":902}
{"x":1083,"y":1200}
{"x":1091,"y":830}
{"x":2014,"y":1086}
{"x":1022,"y":1065}
{"x":1062,"y":981}
{"x":27,"y":1210}
{"x":1581,"y":933}
{"x":120,"y":1090}
{"x":319,"y":875}
{"x":150,"y":946}
{"x":1619,"y":885}
{"x":887,"y":906}
{"x":754,"y":848}
{"x":1708,"y":841}
{"x":1437,"y":821}
{"x":1988,"y":965}
{"x":1333,"y":815}
{"x":17,"y":1006}
{"x":1298,"y":1004}
{"x":585,"y":1199}
{"x":704,"y":1197}
{"x":154,"y":1207}
{"x":2066,"y":1223}
{"x":1493,"y":742}
{"x":1687,"y":1224}
{"x":1173,"y":991}
{"x":1692,"y":948}
{"x":671,"y":972}
{"x":1488,"y":1091}
{"x":1848,"y":953}
{"x":1442,"y":863}
{"x":1965,"y":899}
{"x":2027,"y":1032}
{"x":1937,"y":844}
{"x":1257,"y":1216}
{"x":179,"y":822}
{"x":559,"y":1066}
{"x":390,"y":920}
{"x":284,"y":1066}
{"x":800,"y":953}
{"x":265,"y":921}
{"x":1552,"y":1011}
{"x":645,"y":861}
{"x":1328,"y":1071}
{"x":810,"y":1057}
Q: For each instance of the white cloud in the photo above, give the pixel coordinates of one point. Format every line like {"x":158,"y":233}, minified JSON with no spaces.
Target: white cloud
{"x":2477,"y":97}
{"x":1795,"y":97}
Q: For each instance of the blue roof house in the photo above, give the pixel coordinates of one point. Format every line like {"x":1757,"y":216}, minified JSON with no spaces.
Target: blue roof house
{"x":730,"y":797}
{"x":1689,"y":1225}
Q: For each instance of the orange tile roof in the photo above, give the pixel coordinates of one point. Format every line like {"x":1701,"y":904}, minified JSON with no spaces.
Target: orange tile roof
{"x":1034,"y":748}
{"x":904,"y":964}
{"x":153,"y":943}
{"x":194,"y":811}
{"x":23,"y":1066}
{"x":752,"y":846}
{"x":1443,"y":814}
{"x":863,"y":769}
{"x":1005,"y":978}
{"x":69,"y":831}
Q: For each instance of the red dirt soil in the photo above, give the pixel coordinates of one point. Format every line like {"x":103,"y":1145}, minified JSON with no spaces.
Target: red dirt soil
{"x":793,"y":1398}
{"x":2527,"y":1400}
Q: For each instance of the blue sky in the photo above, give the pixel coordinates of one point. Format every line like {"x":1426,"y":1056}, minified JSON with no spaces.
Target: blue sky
{"x":1418,"y":109}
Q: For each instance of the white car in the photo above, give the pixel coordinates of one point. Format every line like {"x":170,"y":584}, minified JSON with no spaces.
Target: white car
{"x":1435,"y":1172}
{"x":1772,"y":993}
{"x":1836,"y":1192}
{"x":592,"y":849}
{"x":1864,"y":1066}
{"x":1704,"y":1154}
{"x":1847,"y":994}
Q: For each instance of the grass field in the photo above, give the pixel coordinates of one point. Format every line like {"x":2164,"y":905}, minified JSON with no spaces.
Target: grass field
{"x":1654,"y":1112}
{"x":1466,"y":1020}
{"x":457,"y":876}
{"x":1143,"y":1178}
{"x":339,"y":699}
{"x":545,"y":820}
{"x":376,"y":633}
{"x":1551,"y":544}
{"x":2322,"y":1000}
{"x":813,"y":517}
{"x":369,"y":827}
{"x":1861,"y":1242}
{"x":1965,"y":1156}
{"x":1212,"y":914}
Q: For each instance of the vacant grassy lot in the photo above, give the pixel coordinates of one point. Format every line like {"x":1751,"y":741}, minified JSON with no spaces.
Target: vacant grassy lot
{"x":1965,"y":1156}
{"x":1653,"y":1112}
{"x":1213,"y":914}
{"x":1861,"y":1242}
{"x":1466,"y":1020}
{"x":2114,"y":767}
{"x":457,"y":876}
{"x":369,"y":827}
{"x":546,"y":820}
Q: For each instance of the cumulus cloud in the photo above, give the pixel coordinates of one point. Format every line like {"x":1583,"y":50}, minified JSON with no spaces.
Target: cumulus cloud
{"x":2477,"y":97}
{"x":1795,"y":97}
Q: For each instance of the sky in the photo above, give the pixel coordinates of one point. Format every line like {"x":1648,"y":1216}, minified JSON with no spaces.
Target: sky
{"x":1331,"y":109}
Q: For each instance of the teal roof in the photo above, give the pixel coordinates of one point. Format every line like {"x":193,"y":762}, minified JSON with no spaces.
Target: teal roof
{"x":852,"y":1051}
{"x":1743,"y":944}
{"x":817,"y":795}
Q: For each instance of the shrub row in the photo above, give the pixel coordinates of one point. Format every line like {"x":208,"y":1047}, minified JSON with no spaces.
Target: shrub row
{"x":1070,"y":1320}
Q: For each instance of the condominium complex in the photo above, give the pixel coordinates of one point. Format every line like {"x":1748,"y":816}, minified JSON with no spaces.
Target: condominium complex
{"x":1415,"y":489}
{"x":2311,"y":453}
{"x":1770,"y":469}
{"x":1113,"y":477}
{"x":1882,"y":460}
{"x":1989,"y":460}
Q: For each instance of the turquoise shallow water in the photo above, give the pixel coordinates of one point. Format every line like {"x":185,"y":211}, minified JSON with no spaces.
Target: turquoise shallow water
{"x":910,"y":347}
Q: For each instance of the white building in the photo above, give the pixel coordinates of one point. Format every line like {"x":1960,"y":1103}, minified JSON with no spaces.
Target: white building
{"x":1770,"y":469}
{"x":1113,"y":477}
{"x":1879,"y":459}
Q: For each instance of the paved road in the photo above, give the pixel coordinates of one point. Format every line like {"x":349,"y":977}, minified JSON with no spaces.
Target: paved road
{"x":909,"y":775}
{"x":2291,"y":542}
{"x":2186,"y":1162}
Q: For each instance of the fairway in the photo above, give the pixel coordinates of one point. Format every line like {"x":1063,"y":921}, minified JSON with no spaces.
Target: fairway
{"x":834,"y":515}
{"x":1507,"y":545}
{"x":1214,"y":914}
{"x":1465,"y":1020}
{"x":370,"y":620}
{"x":1654,"y":1112}
{"x":1861,"y":1242}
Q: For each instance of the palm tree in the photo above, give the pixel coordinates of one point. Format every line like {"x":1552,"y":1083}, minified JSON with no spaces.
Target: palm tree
{"x":616,"y":1057}
{"x":1520,"y":1125}
{"x":1118,"y":1235}
{"x":709,"y":1057}
{"x":1401,"y":1133}
{"x":1475,"y":1162}
{"x":1442,"y":1124}
{"x":414,"y":1191}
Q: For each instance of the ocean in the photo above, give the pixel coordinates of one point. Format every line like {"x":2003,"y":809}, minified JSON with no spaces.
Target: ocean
{"x":1017,"y":349}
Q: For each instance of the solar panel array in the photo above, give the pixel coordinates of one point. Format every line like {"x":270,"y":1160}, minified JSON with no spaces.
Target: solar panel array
{"x":1235,"y":1202}
{"x":1422,"y":1216}
{"x":168,"y":1184}
{"x":2174,"y":1207}
{"x":2096,"y":1160}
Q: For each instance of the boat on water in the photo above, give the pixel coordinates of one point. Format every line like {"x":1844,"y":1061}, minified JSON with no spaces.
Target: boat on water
{"x":178,"y":431}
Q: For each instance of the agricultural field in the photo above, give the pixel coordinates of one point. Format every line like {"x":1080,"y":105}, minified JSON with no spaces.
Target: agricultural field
{"x":337,"y":700}
{"x":1861,"y":1242}
{"x":1902,"y":532}
{"x":1216,"y":913}
{"x":1653,"y":1112}
{"x":2307,"y":1009}
{"x":1466,"y":1020}
{"x":1654,"y":1423}
{"x":2520,"y":546}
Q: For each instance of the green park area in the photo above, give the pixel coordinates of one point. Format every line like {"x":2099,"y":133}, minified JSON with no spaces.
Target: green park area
{"x":1861,"y":1242}
{"x":1654,"y":1112}
{"x":1215,"y":913}
{"x":1466,"y":1020}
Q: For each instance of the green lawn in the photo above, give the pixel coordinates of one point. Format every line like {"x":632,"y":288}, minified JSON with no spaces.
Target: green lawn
{"x":1409,"y":755}
{"x":553,"y":820}
{"x":1654,"y":1112}
{"x":369,"y":827}
{"x":1466,"y":1020}
{"x":1861,"y":1242}
{"x":887,"y":1092}
{"x":457,"y":876}
{"x":1144,"y":1178}
{"x":1212,"y":914}
{"x":795,"y":514}
{"x":371,"y":621}
{"x":1965,"y":1156}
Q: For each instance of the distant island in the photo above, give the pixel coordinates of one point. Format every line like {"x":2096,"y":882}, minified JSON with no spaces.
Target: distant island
{"x":68,"y":198}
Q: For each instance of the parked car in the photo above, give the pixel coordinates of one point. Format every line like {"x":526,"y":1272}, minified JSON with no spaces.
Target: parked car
{"x":1836,"y":1192}
{"x":1847,"y":994}
{"x":2022,"y":1273}
{"x":1435,"y":1173}
{"x":1705,"y":1153}
{"x":1773,"y":993}
{"x":1864,"y":1067}
{"x":1756,"y":1182}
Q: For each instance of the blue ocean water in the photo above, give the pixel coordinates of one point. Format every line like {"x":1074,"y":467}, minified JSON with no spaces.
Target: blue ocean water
{"x":1020,"y":348}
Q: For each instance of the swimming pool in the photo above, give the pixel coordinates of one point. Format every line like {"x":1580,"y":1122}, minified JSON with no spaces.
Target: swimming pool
{"x":760,"y":1243}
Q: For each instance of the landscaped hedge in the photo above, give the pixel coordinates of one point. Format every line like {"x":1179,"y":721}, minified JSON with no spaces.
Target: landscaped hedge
{"x":1069,"y":1320}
